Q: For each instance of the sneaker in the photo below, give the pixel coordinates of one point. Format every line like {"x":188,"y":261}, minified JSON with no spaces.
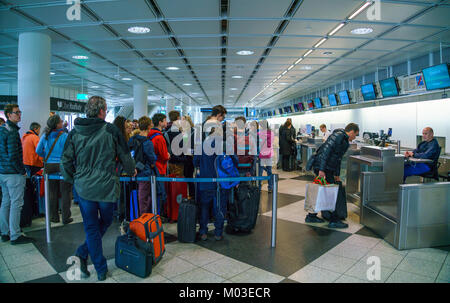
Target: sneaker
{"x":313,"y":219}
{"x":70,"y":220}
{"x":338,"y":224}
{"x":22,"y":240}
{"x":54,"y":220}
{"x":5,"y":238}
{"x":83,"y":268}
{"x":204,"y":237}
{"x":102,"y":277}
{"x":218,"y":238}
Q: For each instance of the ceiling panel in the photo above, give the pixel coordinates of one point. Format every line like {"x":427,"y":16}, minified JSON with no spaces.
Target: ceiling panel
{"x":122,"y":10}
{"x":344,"y":43}
{"x":90,"y":33}
{"x":252,"y":27}
{"x":411,"y":33}
{"x":258,"y":8}
{"x":384,"y":45}
{"x":188,"y":9}
{"x":199,"y":42}
{"x":309,"y":27}
{"x":300,"y":42}
{"x":327,"y":9}
{"x":10,"y":20}
{"x":195,"y":27}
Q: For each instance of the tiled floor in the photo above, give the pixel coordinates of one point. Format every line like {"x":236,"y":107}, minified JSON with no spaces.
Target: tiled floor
{"x":305,"y":253}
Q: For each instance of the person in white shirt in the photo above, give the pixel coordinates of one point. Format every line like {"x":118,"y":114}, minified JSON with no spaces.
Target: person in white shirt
{"x":325,"y":132}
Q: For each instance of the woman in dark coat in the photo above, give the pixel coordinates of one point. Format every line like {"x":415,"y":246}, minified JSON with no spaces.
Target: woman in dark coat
{"x":287,"y":141}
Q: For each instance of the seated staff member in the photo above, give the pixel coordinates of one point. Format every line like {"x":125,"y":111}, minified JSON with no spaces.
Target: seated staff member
{"x":428,"y":149}
{"x":325,"y":132}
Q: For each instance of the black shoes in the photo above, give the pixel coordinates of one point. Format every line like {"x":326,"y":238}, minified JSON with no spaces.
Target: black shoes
{"x":5,"y":238}
{"x":102,"y":277}
{"x":204,"y":237}
{"x":338,"y":224}
{"x":83,"y":268}
{"x":22,"y":240}
{"x":313,"y":219}
{"x":70,"y":220}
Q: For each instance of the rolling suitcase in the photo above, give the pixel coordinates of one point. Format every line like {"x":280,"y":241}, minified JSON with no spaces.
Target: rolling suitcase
{"x":134,"y":255}
{"x":148,"y":227}
{"x":187,"y":221}
{"x":176,"y":192}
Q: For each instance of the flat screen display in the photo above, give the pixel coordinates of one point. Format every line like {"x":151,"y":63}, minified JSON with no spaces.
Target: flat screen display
{"x":389,"y":87}
{"x":436,"y":77}
{"x":296,"y":109}
{"x":332,"y":100}
{"x":310,"y":104}
{"x":317,"y":103}
{"x":301,"y":106}
{"x":280,"y":110}
{"x":343,"y":96}
{"x":269,"y":114}
{"x":288,"y":109}
{"x":368,"y":92}
{"x":274,"y":112}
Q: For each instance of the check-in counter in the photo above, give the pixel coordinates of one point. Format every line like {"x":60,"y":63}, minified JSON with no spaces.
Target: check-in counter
{"x":308,"y":148}
{"x":416,"y":216}
{"x":373,"y":159}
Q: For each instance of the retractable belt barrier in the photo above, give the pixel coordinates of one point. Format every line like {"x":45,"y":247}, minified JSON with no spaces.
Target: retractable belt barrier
{"x":154,"y":179}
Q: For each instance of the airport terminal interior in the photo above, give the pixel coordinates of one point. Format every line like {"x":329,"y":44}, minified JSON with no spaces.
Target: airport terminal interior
{"x":381,"y":64}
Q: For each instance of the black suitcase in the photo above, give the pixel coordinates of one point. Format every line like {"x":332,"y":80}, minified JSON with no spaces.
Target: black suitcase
{"x":134,"y":255}
{"x":341,"y":205}
{"x":187,"y":221}
{"x":29,"y":201}
{"x":243,"y":211}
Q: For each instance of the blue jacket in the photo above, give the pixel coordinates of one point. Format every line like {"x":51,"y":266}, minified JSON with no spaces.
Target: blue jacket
{"x":11,"y":154}
{"x":428,"y":150}
{"x":45,"y":144}
{"x":149,"y":155}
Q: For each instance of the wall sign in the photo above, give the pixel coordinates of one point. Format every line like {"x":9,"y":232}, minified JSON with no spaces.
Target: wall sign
{"x":56,"y":104}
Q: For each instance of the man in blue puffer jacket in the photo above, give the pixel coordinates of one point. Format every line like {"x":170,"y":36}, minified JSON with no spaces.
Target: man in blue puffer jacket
{"x":12,"y":177}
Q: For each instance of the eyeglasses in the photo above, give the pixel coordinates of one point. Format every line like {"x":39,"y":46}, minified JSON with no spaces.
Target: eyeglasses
{"x":17,"y":112}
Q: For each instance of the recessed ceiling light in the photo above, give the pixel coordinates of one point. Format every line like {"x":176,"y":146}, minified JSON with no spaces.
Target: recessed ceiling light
{"x":52,"y":73}
{"x":328,"y":53}
{"x":306,"y":67}
{"x":362,"y":31}
{"x":187,"y":84}
{"x":200,"y":98}
{"x":151,"y":90}
{"x":284,"y":83}
{"x":78,"y":57}
{"x":94,"y":86}
{"x":237,"y":77}
{"x":122,"y":95}
{"x":126,"y":79}
{"x":231,"y":96}
{"x":159,"y":54}
{"x":194,"y":93}
{"x":172,"y":68}
{"x":233,"y":88}
{"x":245,"y":52}
{"x":139,"y":30}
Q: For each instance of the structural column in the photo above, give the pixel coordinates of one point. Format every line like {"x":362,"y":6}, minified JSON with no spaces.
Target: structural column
{"x":34,"y":79}
{"x":140,"y":94}
{"x":170,"y":105}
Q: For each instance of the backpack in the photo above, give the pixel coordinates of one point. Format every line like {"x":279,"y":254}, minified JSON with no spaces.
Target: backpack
{"x":137,"y":152}
{"x":226,"y":168}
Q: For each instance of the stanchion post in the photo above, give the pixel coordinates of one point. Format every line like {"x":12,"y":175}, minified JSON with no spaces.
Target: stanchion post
{"x":154,"y":195}
{"x":274,"y":209}
{"x":47,"y":210}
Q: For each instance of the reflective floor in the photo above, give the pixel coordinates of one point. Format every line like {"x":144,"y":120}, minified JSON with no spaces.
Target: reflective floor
{"x":305,"y":253}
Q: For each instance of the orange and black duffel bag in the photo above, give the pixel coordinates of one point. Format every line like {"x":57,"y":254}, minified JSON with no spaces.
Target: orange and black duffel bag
{"x":148,"y":227}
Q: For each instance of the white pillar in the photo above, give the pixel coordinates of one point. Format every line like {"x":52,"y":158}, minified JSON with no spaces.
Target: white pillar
{"x":33,"y":91}
{"x":170,"y":105}
{"x":140,"y":103}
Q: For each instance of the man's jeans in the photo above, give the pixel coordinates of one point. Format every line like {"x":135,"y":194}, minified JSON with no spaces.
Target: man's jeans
{"x":13,"y":187}
{"x":95,"y":227}
{"x":206,"y":198}
{"x":268,"y":169}
{"x":415,"y":170}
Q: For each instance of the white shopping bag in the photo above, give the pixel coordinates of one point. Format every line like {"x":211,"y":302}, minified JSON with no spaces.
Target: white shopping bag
{"x":320,"y":197}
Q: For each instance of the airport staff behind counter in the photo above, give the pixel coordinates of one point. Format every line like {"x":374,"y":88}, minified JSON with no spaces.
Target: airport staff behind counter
{"x":428,"y":149}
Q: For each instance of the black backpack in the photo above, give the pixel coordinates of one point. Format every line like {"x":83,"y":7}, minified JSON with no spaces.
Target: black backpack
{"x":243,"y":211}
{"x":137,"y":152}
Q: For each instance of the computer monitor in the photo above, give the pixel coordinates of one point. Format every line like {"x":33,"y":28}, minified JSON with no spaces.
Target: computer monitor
{"x":368,"y":92}
{"x":296,"y":109}
{"x":301,"y":107}
{"x":332,"y":100}
{"x":389,"y":87}
{"x":344,"y":97}
{"x":318,"y":103}
{"x":310,"y":104}
{"x":436,"y":77}
{"x":280,"y":110}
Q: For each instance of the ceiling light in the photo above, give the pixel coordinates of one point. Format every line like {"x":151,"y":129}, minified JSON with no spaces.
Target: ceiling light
{"x":94,"y":86}
{"x":151,"y":90}
{"x":187,"y":84}
{"x":139,"y":30}
{"x":284,"y":73}
{"x":126,"y":79}
{"x":172,"y":68}
{"x":245,"y":53}
{"x":328,"y":53}
{"x":334,"y":31}
{"x":233,"y":88}
{"x":78,"y":57}
{"x":307,"y":53}
{"x":195,"y":93}
{"x":200,"y":98}
{"x":122,"y":95}
{"x":298,"y":61}
{"x":237,"y":77}
{"x":284,"y":83}
{"x":231,"y":96}
{"x":290,"y":67}
{"x":362,"y":31}
{"x":306,"y":67}
{"x":320,"y":42}
{"x":159,"y":54}
{"x":358,"y":11}
{"x":52,"y":73}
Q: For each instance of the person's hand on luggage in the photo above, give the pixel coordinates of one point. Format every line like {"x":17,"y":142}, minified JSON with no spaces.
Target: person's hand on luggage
{"x":337,"y":179}
{"x":135,"y":173}
{"x":321,"y":174}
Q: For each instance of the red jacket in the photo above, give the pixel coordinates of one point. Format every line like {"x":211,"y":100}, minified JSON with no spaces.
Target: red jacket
{"x":160,"y":146}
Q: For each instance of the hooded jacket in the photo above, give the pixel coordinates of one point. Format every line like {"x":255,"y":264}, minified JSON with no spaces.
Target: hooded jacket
{"x":46,"y":142}
{"x":160,"y":147}
{"x":30,"y":141}
{"x":329,"y":154}
{"x":89,"y":159}
{"x":11,"y":155}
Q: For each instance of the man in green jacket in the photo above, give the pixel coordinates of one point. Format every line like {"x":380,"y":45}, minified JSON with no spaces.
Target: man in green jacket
{"x":89,"y":161}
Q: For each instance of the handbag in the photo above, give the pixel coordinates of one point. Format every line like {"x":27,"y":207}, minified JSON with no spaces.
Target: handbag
{"x":46,"y":166}
{"x":320,"y":196}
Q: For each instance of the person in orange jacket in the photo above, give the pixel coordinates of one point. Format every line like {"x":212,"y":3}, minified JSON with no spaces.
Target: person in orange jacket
{"x":31,"y":160}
